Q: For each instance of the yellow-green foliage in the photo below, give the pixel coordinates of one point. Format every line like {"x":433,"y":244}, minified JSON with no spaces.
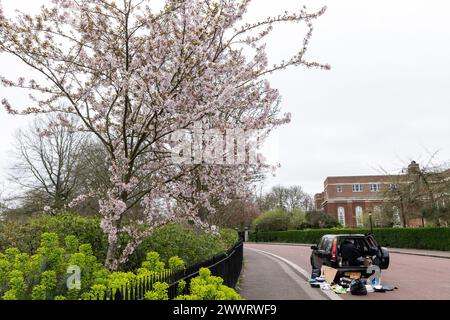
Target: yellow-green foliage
{"x":152,"y":263}
{"x":43,"y":275}
{"x":208,"y":287}
{"x":203,"y":287}
{"x":159,"y":292}
{"x":176,"y":263}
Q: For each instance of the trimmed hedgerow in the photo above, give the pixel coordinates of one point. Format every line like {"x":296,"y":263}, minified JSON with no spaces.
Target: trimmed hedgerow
{"x":413,"y":238}
{"x":171,"y":240}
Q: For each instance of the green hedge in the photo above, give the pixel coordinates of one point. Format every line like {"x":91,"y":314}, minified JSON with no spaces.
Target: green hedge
{"x":189,"y":245}
{"x":413,"y":238}
{"x":26,"y":235}
{"x":171,"y":240}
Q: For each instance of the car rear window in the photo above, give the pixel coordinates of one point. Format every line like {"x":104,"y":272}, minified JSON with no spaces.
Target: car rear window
{"x":328,"y":243}
{"x":322,"y":241}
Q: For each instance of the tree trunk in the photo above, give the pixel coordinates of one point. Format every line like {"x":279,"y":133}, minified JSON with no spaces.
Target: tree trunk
{"x":111,"y":262}
{"x":402,"y":208}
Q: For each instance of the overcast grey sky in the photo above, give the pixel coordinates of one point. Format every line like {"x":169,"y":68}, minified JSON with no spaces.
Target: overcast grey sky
{"x":386,"y":100}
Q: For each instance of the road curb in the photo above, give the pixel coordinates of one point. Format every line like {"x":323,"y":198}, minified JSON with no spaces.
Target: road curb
{"x":281,"y":244}
{"x":329,"y":293}
{"x":418,"y":254}
{"x":391,"y":250}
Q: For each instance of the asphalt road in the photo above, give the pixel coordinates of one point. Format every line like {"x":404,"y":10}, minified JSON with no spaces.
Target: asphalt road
{"x":417,"y":277}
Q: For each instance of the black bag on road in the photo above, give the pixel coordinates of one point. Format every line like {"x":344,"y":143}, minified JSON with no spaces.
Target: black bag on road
{"x":358,"y":288}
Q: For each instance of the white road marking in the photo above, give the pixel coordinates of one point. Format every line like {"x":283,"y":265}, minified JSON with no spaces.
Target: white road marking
{"x":329,"y":293}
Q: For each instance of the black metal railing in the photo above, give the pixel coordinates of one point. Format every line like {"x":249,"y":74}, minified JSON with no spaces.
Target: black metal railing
{"x":227,"y":265}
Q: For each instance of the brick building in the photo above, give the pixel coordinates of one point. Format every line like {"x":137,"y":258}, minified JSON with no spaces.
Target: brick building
{"x":348,"y":198}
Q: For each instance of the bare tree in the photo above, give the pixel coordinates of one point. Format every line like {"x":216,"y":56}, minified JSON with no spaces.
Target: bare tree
{"x":287,"y":199}
{"x":48,"y":159}
{"x":3,"y":205}
{"x":238,"y":213}
{"x":421,"y":192}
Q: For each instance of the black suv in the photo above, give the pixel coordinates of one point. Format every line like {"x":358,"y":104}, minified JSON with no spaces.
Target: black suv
{"x":328,"y":253}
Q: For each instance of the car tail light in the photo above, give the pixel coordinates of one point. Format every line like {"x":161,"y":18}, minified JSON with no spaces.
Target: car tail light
{"x":334,"y":250}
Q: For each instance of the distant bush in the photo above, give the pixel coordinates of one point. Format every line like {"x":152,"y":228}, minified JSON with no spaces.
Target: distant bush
{"x":274,"y":220}
{"x":319,"y":220}
{"x":297,"y":219}
{"x":281,"y":220}
{"x":414,"y":238}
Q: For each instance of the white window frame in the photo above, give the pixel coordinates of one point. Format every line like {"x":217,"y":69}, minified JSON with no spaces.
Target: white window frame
{"x":357,"y":187}
{"x":339,"y":189}
{"x":341,"y":216}
{"x":393,"y":186}
{"x":359,"y":214}
{"x":375,"y":187}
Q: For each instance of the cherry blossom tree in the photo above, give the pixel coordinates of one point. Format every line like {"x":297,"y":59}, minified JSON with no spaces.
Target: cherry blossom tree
{"x":134,"y":75}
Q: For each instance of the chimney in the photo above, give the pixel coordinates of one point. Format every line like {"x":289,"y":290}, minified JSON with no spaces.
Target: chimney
{"x":413,"y":168}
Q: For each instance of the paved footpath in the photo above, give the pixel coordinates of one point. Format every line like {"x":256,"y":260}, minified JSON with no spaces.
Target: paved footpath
{"x":268,"y":278}
{"x":416,"y":276}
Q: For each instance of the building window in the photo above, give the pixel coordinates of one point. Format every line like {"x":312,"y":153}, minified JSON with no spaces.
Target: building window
{"x":375,"y":187}
{"x":357,"y":187}
{"x":341,"y":216}
{"x":359,"y":217}
{"x":393,"y":186}
{"x":339,"y":189}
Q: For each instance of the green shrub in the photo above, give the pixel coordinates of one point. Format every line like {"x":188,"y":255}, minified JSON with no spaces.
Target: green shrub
{"x":297,"y":219}
{"x":180,"y":287}
{"x":152,"y":263}
{"x":208,"y":287}
{"x":168,"y":241}
{"x":229,"y":237}
{"x":191,"y":246}
{"x":414,"y":238}
{"x":26,"y":235}
{"x":43,"y":276}
{"x":176,"y":263}
{"x":319,"y":220}
{"x":159,"y":292}
{"x":274,"y":220}
{"x":280,"y":220}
